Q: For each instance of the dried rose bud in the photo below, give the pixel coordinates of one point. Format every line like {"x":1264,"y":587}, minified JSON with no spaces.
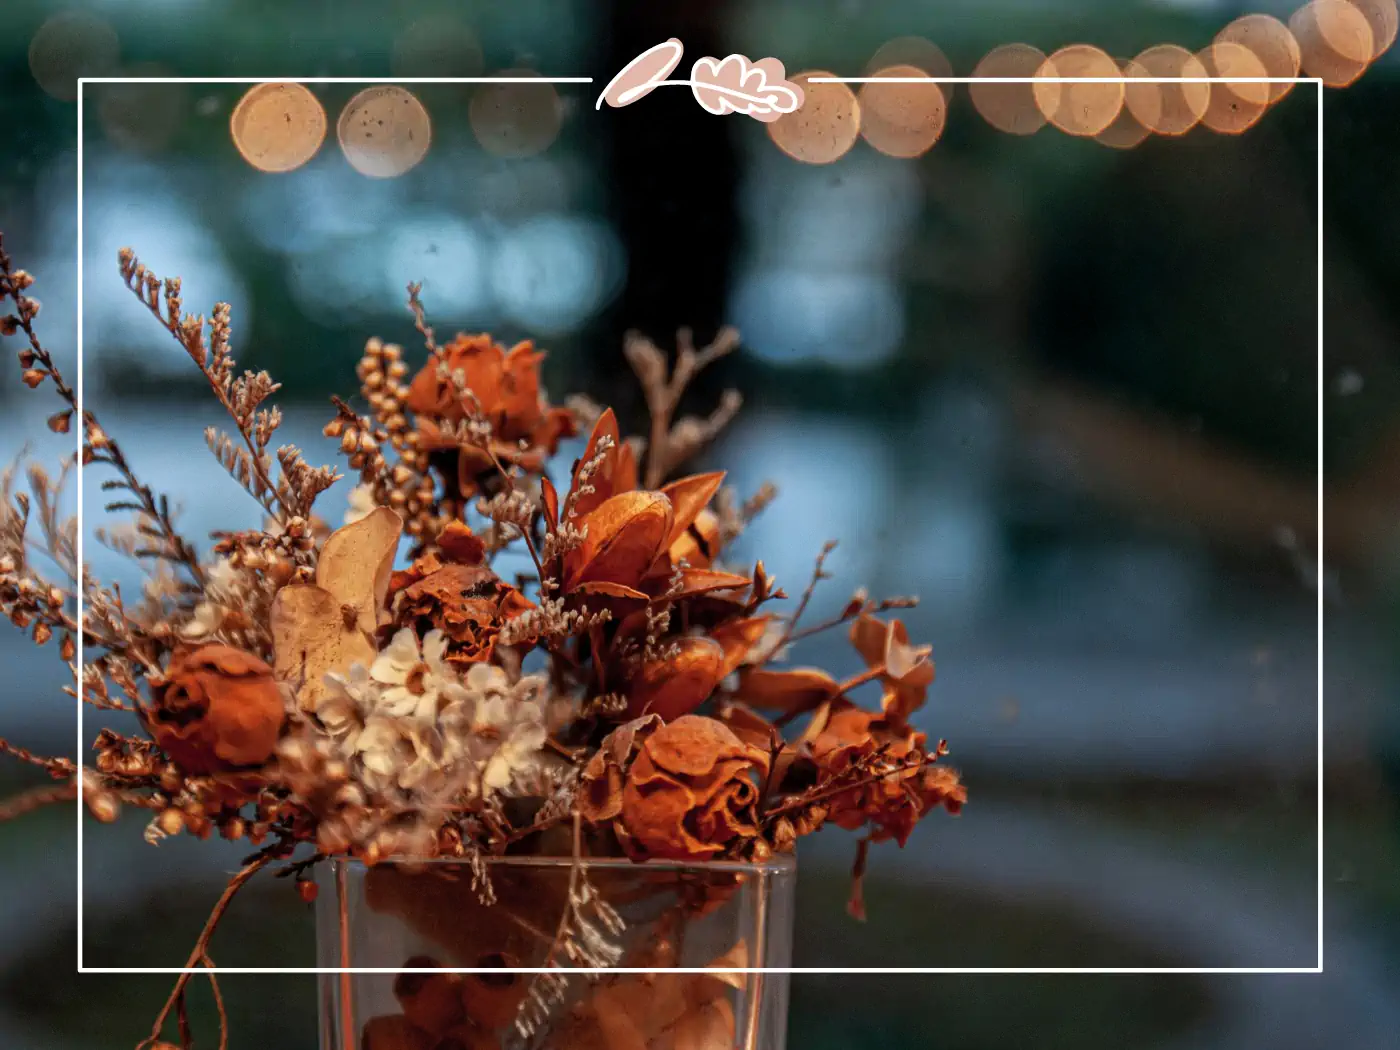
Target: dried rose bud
{"x":431,"y":1001}
{"x":67,"y":649}
{"x":42,"y":633}
{"x":218,"y":709}
{"x":33,"y":377}
{"x":58,"y":422}
{"x":9,"y":325}
{"x":393,"y":1032}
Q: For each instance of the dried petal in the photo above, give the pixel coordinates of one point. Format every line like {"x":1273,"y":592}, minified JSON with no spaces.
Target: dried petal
{"x":678,"y":685}
{"x":689,"y":496}
{"x":624,"y":535}
{"x":786,"y":691}
{"x":310,"y":639}
{"x":355,"y":563}
{"x":738,"y":637}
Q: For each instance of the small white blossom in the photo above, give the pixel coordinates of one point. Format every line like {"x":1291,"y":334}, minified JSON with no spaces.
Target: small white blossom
{"x":416,"y":681}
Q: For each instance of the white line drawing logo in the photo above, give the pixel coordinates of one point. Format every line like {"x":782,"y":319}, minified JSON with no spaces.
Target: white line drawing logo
{"x":731,"y":85}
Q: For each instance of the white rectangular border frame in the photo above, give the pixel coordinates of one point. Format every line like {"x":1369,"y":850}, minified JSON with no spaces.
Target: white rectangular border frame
{"x":81,"y":741}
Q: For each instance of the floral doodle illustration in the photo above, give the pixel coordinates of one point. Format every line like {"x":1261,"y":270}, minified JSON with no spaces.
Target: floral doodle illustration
{"x":730,"y":85}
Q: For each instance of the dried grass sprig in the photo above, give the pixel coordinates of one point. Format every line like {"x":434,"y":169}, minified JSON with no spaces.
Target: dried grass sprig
{"x":288,"y":496}
{"x":668,"y":445}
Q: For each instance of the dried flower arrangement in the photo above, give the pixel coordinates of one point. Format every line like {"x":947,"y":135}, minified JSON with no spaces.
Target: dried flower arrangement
{"x":309,"y":691}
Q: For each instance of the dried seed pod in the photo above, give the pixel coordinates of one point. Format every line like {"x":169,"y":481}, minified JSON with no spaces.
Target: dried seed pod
{"x":492,"y":1000}
{"x":431,"y":1001}
{"x":393,"y":1032}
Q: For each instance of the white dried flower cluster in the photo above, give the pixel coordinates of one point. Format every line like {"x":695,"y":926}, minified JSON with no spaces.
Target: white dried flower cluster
{"x":411,"y":728}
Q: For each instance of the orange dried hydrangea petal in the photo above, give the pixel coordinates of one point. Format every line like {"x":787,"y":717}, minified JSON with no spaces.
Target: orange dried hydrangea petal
{"x":624,"y":534}
{"x":676,"y":686}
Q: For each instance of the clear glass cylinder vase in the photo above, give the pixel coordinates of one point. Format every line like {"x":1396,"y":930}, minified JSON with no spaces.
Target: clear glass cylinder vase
{"x":631,"y":956}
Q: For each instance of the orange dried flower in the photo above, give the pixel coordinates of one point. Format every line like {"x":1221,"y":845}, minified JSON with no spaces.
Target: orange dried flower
{"x":454,"y":591}
{"x":506,"y":384}
{"x":691,"y":792}
{"x":843,"y":736}
{"x":219,"y":708}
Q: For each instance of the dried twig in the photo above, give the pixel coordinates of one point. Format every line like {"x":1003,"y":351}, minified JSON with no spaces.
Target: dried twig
{"x":37,"y":798}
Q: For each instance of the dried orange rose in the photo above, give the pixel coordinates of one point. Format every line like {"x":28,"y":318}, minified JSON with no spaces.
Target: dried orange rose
{"x":691,"y":792}
{"x":454,"y":591}
{"x":506,"y":384}
{"x":218,"y":709}
{"x":600,"y":786}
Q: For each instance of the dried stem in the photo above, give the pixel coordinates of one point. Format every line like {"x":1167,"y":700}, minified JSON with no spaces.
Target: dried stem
{"x":56,"y":767}
{"x":819,"y":573}
{"x":200,"y":953}
{"x":37,"y":798}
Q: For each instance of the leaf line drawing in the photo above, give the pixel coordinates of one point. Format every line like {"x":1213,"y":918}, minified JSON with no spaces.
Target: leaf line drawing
{"x":733,"y":84}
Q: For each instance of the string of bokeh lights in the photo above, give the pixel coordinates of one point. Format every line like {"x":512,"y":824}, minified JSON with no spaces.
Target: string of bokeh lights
{"x":384,"y":131}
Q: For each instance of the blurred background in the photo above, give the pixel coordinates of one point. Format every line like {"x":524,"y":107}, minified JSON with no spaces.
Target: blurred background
{"x":1021,"y":352}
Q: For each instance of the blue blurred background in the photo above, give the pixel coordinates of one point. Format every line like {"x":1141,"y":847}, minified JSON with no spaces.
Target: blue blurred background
{"x":1065,"y":393}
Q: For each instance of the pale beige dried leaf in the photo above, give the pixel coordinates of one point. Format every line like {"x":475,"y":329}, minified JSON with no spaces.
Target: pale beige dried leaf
{"x":355,"y":563}
{"x":310,"y":639}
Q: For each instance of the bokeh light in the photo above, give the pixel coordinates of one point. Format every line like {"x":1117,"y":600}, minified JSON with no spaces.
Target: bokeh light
{"x":1272,"y":43}
{"x":1384,"y":20}
{"x":1233,"y":107}
{"x":438,"y":45}
{"x":1079,"y":109}
{"x":384,"y":131}
{"x":516,"y":120}
{"x":923,"y":55}
{"x":1011,"y":107}
{"x":1335,"y":39}
{"x":825,"y":127}
{"x":552,"y":272}
{"x":1167,"y":109}
{"x":1126,"y":131}
{"x":902,"y":120}
{"x":278,"y":127}
{"x":142,"y":116}
{"x":70,"y":45}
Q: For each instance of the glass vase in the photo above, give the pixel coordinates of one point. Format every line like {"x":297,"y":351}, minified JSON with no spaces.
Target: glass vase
{"x":415,"y":923}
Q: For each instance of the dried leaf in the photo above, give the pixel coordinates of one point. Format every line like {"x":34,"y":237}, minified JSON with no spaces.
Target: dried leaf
{"x":310,"y":640}
{"x":459,"y":544}
{"x":786,"y":691}
{"x":640,"y":77}
{"x":611,"y":590}
{"x":355,"y":563}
